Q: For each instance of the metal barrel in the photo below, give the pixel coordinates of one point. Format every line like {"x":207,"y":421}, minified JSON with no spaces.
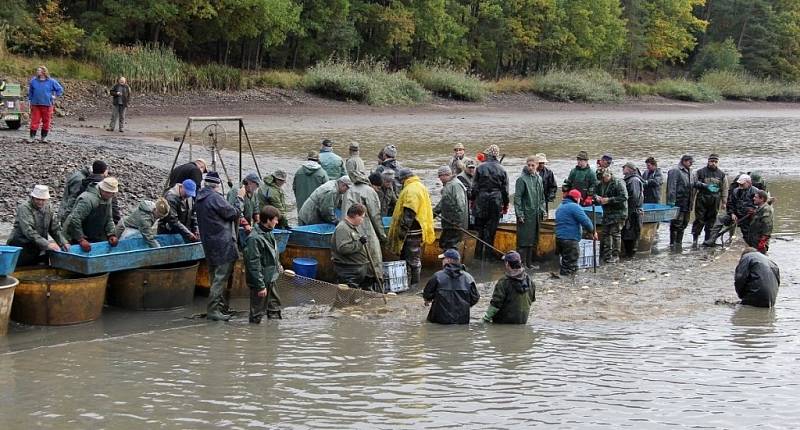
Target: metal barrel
{"x":153,"y":288}
{"x":57,"y":297}
{"x":7,"y":286}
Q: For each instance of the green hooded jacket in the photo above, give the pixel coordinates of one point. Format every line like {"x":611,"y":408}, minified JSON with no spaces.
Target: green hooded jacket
{"x":362,"y":192}
{"x":584,"y":180}
{"x":31,"y":227}
{"x":141,"y":219}
{"x":90,"y":218}
{"x":512,"y":299}
{"x":319,"y":208}
{"x":308,"y":178}
{"x":249,"y":207}
{"x":529,"y":206}
{"x":345,"y":246}
{"x":261,"y":260}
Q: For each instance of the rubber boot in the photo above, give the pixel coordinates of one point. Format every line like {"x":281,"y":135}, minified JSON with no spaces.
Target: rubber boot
{"x":274,"y":315}
{"x":672,"y":234}
{"x":217,"y":315}
{"x":44,"y":135}
{"x":679,"y":239}
{"x":695,"y":237}
{"x":33,"y":135}
{"x":413,"y":277}
{"x":712,"y":237}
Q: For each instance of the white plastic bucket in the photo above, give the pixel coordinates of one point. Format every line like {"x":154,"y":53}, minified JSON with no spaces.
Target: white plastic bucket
{"x":394,"y":272}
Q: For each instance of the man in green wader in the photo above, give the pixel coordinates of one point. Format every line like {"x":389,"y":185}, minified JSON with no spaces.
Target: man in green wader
{"x":529,"y":206}
{"x":513,"y":295}
{"x":263,"y":267}
{"x":613,"y":195}
{"x":453,"y":210}
{"x":712,"y":189}
{"x":581,"y":178}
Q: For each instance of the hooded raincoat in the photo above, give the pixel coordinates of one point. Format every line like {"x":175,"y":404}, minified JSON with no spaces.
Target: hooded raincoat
{"x":308,"y":178}
{"x":451,"y":291}
{"x":415,"y":197}
{"x":320,"y":205}
{"x":529,"y":203}
{"x":362,"y":192}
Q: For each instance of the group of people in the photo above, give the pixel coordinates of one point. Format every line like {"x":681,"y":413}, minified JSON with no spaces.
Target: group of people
{"x":44,"y":90}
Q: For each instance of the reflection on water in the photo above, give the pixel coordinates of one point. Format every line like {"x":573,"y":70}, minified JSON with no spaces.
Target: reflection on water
{"x":724,"y":367}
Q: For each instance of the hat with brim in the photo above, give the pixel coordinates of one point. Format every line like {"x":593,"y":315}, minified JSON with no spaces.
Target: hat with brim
{"x":313,"y":155}
{"x":542,"y":158}
{"x":582,"y":156}
{"x":252,"y":177}
{"x":630,"y":165}
{"x":451,"y":254}
{"x":280,"y":175}
{"x":190,"y":188}
{"x":404,"y":173}
{"x":41,"y":192}
{"x":109,"y":185}
{"x":744,"y":179}
{"x":162,"y":208}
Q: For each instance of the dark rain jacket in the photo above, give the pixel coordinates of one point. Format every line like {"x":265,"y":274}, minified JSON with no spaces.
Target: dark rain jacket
{"x":182,"y":217}
{"x":652,"y":185}
{"x":616,"y":210}
{"x":529,"y":206}
{"x":513,"y":297}
{"x":549,"y":184}
{"x":490,"y":188}
{"x":184,"y":172}
{"x":121,"y":94}
{"x":388,"y":198}
{"x":31,"y":227}
{"x":740,"y":201}
{"x":308,"y":178}
{"x":583,"y":180}
{"x":679,"y":188}
{"x":453,"y":206}
{"x":261,"y":258}
{"x":72,"y":189}
{"x":712,"y":187}
{"x":90,"y":218}
{"x":467,"y":181}
{"x":95,"y":178}
{"x":269,"y":193}
{"x":633,"y":185}
{"x":215,"y":217}
{"x":452,"y":292}
{"x":757,"y":280}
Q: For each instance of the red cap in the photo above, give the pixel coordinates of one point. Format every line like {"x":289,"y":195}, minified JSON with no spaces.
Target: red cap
{"x":480,"y":157}
{"x":574,"y":195}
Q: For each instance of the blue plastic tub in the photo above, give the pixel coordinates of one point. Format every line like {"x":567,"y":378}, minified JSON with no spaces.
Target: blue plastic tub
{"x":305,"y":267}
{"x":312,"y":236}
{"x":8,"y":259}
{"x":281,"y":237}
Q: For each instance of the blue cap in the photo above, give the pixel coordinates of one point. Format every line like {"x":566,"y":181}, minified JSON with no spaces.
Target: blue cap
{"x":607,"y":157}
{"x":190,"y":187}
{"x":451,"y":254}
{"x":512,"y":257}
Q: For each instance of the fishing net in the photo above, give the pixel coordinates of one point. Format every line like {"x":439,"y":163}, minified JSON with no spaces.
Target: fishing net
{"x":296,"y":290}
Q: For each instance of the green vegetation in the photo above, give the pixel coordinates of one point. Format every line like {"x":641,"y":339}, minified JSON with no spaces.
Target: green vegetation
{"x":583,"y":85}
{"x":364,"y":82}
{"x":25,"y":67}
{"x":741,"y":86}
{"x":681,"y":89}
{"x":639,"y":89}
{"x":149,"y":68}
{"x":449,"y":83}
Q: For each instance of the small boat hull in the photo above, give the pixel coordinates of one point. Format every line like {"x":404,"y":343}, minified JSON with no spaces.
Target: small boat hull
{"x":506,"y":238}
{"x":7,"y":286}
{"x":430,"y":252}
{"x":47,"y":296}
{"x":154,"y":288}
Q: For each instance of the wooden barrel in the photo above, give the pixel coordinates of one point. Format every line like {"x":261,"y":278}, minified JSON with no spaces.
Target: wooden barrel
{"x":647,"y":238}
{"x":7,"y":286}
{"x":153,"y":288}
{"x":430,"y":252}
{"x":48,"y":296}
{"x":325,"y":271}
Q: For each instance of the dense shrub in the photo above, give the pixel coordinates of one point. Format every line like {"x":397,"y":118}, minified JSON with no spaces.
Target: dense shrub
{"x":681,"y":89}
{"x":364,"y":82}
{"x":581,"y":85}
{"x":448,"y":83}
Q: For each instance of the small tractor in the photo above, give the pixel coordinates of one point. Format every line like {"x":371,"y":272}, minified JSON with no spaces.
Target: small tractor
{"x":13,"y":109}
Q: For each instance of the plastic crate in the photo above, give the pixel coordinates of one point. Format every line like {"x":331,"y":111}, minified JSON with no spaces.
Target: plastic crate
{"x":654,"y":212}
{"x":395,"y":276}
{"x":8,"y":259}
{"x":586,"y":253}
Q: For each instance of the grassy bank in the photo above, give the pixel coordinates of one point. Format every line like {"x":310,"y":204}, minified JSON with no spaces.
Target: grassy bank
{"x":158,"y":69}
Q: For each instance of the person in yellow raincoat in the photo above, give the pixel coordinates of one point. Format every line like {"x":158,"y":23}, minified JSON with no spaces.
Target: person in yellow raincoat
{"x":412,"y":224}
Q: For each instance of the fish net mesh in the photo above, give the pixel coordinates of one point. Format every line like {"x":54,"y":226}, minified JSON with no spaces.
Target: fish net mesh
{"x":299,"y":291}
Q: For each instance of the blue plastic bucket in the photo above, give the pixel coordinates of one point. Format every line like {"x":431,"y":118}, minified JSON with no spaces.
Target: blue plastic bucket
{"x":8,"y":259}
{"x":305,"y":267}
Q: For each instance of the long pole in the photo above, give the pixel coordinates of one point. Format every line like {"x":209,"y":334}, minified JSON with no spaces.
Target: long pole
{"x":469,"y":233}
{"x":594,"y":241}
{"x":175,"y":161}
{"x":369,"y":255}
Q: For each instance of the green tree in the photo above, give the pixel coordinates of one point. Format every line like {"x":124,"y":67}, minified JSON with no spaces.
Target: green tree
{"x":717,"y":56}
{"x":595,"y":32}
{"x":50,"y":33}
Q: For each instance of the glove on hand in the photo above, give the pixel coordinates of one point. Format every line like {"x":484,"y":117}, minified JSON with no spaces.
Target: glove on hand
{"x":363,"y":240}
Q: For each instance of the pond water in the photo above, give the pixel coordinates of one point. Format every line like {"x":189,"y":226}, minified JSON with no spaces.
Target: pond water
{"x":705,"y":366}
